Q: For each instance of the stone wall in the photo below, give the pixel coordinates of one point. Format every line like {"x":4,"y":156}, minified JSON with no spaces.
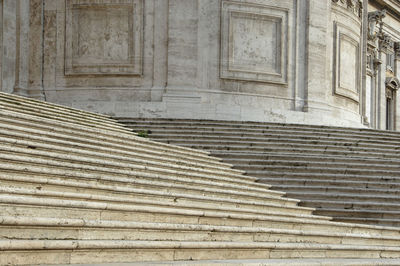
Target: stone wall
{"x":297,"y":61}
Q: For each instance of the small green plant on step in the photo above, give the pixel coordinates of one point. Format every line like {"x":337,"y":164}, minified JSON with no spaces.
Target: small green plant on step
{"x":143,"y":133}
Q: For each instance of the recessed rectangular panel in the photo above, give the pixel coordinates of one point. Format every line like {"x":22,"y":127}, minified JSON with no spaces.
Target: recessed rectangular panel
{"x":254,"y":42}
{"x":250,"y":35}
{"x":347,"y":62}
{"x":104,"y":37}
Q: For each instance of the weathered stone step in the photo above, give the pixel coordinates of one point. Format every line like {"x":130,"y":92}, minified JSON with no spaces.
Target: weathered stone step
{"x":25,"y":205}
{"x":245,"y":126}
{"x":94,"y":146}
{"x":276,"y":134}
{"x":115,"y":185}
{"x":342,"y":188}
{"x":369,"y":221}
{"x":149,"y":196}
{"x":146,"y":197}
{"x":35,"y":174}
{"x":104,"y":161}
{"x":363,"y":213}
{"x":263,"y":262}
{"x":301,"y":130}
{"x":342,"y":196}
{"x":125,"y":157}
{"x":32,"y":121}
{"x":298,"y":149}
{"x":316,"y":140}
{"x":302,"y":158}
{"x":37,"y":103}
{"x":132,"y":172}
{"x":141,"y":142}
{"x":276,"y":183}
{"x":224,"y":133}
{"x":357,"y":205}
{"x":61,"y":117}
{"x":288,"y":143}
{"x":25,"y":105}
{"x":326,"y":170}
{"x":216,"y":150}
{"x":124,"y":250}
{"x":260,"y":164}
{"x":325,"y":176}
{"x":89,"y":211}
{"x":37,"y":228}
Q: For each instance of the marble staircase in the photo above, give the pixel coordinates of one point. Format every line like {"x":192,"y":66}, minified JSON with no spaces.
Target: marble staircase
{"x":80,"y":188}
{"x":352,"y":175}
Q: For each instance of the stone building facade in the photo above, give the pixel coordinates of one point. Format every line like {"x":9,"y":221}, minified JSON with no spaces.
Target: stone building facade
{"x":331,"y":62}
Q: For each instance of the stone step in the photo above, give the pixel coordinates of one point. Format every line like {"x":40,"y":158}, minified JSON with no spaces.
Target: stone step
{"x":105,"y":161}
{"x":265,"y":170}
{"x":193,"y":138}
{"x":251,"y":126}
{"x":298,"y":149}
{"x":128,"y":185}
{"x":70,"y":130}
{"x":87,"y":251}
{"x":82,"y":208}
{"x":67,"y":209}
{"x":288,"y":144}
{"x":35,"y":174}
{"x":263,"y":158}
{"x":276,"y":183}
{"x":260,"y":165}
{"x":369,"y":221}
{"x":342,"y":189}
{"x":43,"y":138}
{"x":348,"y":205}
{"x":324,"y":176}
{"x":262,"y":262}
{"x":133,"y":171}
{"x":216,"y":150}
{"x":146,"y":197}
{"x":87,"y":211}
{"x":151,"y":196}
{"x":380,"y":215}
{"x":42,"y":108}
{"x":139,"y":141}
{"x":37,"y":103}
{"x":225,"y":130}
{"x":128,"y":156}
{"x":232,"y":134}
{"x":63,"y":117}
{"x":42,"y":228}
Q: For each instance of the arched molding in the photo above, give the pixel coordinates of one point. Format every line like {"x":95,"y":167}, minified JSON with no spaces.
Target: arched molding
{"x":392,"y":83}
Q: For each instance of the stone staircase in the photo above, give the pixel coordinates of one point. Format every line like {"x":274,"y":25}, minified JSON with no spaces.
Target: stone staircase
{"x":352,"y":175}
{"x":79,"y":188}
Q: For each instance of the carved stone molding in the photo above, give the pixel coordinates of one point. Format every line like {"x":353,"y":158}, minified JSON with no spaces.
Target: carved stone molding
{"x":374,"y":18}
{"x":392,"y":83}
{"x":354,"y":6}
{"x":377,"y":63}
{"x":386,"y":42}
{"x":397,"y":49}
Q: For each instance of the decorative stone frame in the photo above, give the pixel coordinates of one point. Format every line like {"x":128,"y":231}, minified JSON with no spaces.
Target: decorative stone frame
{"x":80,"y":65}
{"x":260,"y":69}
{"x":391,"y":86}
{"x":343,"y":35}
